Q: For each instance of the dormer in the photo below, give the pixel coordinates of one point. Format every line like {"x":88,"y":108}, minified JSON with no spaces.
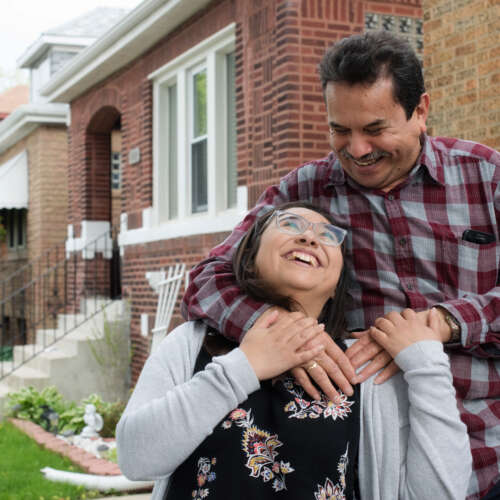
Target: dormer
{"x":55,"y":47}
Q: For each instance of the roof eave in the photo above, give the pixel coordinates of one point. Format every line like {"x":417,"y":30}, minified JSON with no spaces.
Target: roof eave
{"x":38,"y":48}
{"x":151,"y":21}
{"x":27,"y":118}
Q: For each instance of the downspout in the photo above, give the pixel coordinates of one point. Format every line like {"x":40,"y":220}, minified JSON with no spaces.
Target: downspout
{"x":95,"y":482}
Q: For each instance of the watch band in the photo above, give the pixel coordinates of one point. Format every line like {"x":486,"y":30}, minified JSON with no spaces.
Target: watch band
{"x":452,"y":323}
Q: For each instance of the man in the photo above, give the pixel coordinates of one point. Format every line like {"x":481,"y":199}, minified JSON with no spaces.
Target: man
{"x":423,"y":216}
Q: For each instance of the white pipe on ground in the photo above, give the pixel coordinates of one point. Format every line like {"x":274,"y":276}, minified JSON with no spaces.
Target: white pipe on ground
{"x":94,"y":482}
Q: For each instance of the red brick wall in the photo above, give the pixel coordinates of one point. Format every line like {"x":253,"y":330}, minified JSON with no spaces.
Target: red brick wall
{"x":140,"y":259}
{"x":281,"y":120}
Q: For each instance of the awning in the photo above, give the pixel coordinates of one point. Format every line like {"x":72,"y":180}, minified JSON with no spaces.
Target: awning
{"x":14,"y":182}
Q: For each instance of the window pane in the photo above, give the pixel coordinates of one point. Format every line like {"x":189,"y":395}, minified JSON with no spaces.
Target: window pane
{"x":116,"y":159}
{"x":172,"y":152}
{"x":20,"y":228}
{"x":199,"y":188}
{"x":200,"y":104}
{"x":11,"y":228}
{"x":231,"y":132}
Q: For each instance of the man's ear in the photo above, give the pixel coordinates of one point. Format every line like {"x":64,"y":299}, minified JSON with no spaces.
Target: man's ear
{"x":422,"y":111}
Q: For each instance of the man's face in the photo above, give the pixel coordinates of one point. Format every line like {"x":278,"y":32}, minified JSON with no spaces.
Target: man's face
{"x":377,"y":146}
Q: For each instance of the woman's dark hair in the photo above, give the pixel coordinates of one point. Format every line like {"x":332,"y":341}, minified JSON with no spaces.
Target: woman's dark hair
{"x":369,"y":56}
{"x":249,"y":281}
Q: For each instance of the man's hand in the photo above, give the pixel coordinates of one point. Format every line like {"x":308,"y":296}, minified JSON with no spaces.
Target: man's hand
{"x":278,"y":341}
{"x":367,"y":350}
{"x":331,"y":365}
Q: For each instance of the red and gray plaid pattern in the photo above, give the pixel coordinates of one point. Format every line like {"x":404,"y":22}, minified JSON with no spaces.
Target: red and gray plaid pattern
{"x":404,"y":249}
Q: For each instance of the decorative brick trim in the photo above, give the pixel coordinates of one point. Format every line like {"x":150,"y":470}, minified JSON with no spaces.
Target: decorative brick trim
{"x":85,"y":460}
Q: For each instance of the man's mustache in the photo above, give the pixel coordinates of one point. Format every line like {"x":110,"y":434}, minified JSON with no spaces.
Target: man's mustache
{"x":376,"y":155}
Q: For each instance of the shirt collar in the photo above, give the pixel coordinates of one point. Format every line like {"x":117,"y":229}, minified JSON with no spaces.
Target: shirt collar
{"x":429,"y":159}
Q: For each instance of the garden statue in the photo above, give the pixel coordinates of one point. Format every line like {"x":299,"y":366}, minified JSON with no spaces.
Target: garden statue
{"x":50,"y":419}
{"x":93,"y":420}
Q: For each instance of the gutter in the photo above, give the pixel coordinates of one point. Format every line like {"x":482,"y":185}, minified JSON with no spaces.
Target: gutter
{"x":26,"y":118}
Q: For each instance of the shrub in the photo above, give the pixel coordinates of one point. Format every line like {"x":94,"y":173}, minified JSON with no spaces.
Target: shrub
{"x":6,"y":352}
{"x":27,"y":404}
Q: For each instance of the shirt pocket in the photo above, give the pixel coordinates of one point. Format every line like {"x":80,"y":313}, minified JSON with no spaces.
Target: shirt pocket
{"x":465,"y":267}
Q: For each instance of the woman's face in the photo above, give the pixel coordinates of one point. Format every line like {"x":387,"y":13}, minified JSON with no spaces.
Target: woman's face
{"x":299,"y":266}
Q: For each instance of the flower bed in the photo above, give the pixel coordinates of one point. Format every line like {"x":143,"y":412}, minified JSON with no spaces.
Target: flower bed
{"x":77,"y":454}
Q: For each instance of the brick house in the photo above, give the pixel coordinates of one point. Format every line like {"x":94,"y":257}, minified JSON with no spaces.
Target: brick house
{"x":212,"y":101}
{"x":33,"y":172}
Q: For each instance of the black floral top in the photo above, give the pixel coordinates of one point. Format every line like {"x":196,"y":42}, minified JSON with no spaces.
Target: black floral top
{"x":277,"y":444}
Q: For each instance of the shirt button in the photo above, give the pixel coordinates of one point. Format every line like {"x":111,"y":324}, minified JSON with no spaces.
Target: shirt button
{"x":409,"y":286}
{"x":403,"y":241}
{"x":390,"y":197}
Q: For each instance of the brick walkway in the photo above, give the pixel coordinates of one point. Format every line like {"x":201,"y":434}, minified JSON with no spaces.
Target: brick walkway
{"x":82,"y":458}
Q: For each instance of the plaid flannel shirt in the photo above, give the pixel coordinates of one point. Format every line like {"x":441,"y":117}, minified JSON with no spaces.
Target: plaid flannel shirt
{"x":404,"y":249}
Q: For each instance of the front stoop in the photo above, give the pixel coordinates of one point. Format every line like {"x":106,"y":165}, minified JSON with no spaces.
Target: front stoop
{"x":69,"y":363}
{"x":85,"y":460}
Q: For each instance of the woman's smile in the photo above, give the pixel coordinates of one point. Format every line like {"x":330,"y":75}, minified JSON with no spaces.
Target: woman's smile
{"x":303,"y":258}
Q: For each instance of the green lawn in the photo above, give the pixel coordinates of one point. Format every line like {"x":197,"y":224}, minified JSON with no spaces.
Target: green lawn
{"x":21,"y":459}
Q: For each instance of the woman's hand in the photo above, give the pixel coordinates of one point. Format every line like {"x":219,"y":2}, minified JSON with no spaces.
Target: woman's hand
{"x":396,"y":331}
{"x":273,"y":345}
{"x":332,"y":365}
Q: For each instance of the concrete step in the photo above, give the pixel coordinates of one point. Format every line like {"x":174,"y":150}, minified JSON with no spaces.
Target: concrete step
{"x":66,"y":322}
{"x":70,"y":362}
{"x":5,"y":367}
{"x":48,"y":337}
{"x":92,"y":304}
{"x":112,"y":312}
{"x":51,"y":356}
{"x":22,"y":353}
{"x":25,"y":376}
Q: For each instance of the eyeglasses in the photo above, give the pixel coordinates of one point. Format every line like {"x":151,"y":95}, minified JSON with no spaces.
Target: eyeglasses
{"x":290,"y":223}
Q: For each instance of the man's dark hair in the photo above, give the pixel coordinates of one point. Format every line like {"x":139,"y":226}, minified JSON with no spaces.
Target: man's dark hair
{"x":249,"y":281}
{"x":364,"y":58}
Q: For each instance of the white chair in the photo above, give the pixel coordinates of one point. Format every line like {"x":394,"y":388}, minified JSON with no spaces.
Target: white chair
{"x":168,"y":289}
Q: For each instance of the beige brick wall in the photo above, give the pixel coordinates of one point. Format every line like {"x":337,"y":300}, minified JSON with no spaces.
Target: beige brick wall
{"x":48,"y":188}
{"x":462,"y":68}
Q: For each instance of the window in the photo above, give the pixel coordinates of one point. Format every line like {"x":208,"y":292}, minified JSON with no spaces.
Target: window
{"x":172,"y":152}
{"x":116,"y":170}
{"x":195,"y":132}
{"x":198,"y":140}
{"x":15,"y":224}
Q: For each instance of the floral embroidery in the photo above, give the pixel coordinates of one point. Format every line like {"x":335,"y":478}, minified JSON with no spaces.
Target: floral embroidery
{"x":332,"y":491}
{"x":205,"y":475}
{"x":260,"y":449}
{"x":302,"y":408}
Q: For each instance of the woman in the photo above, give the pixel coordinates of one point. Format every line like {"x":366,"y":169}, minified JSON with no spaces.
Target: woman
{"x":235,"y":425}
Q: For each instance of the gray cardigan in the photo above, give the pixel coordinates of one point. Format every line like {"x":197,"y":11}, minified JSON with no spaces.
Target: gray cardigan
{"x":412,"y":444}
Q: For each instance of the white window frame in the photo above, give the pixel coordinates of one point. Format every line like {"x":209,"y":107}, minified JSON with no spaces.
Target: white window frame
{"x":211,"y":54}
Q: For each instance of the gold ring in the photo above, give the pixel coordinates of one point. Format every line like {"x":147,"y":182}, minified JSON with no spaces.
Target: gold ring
{"x":311,"y":366}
